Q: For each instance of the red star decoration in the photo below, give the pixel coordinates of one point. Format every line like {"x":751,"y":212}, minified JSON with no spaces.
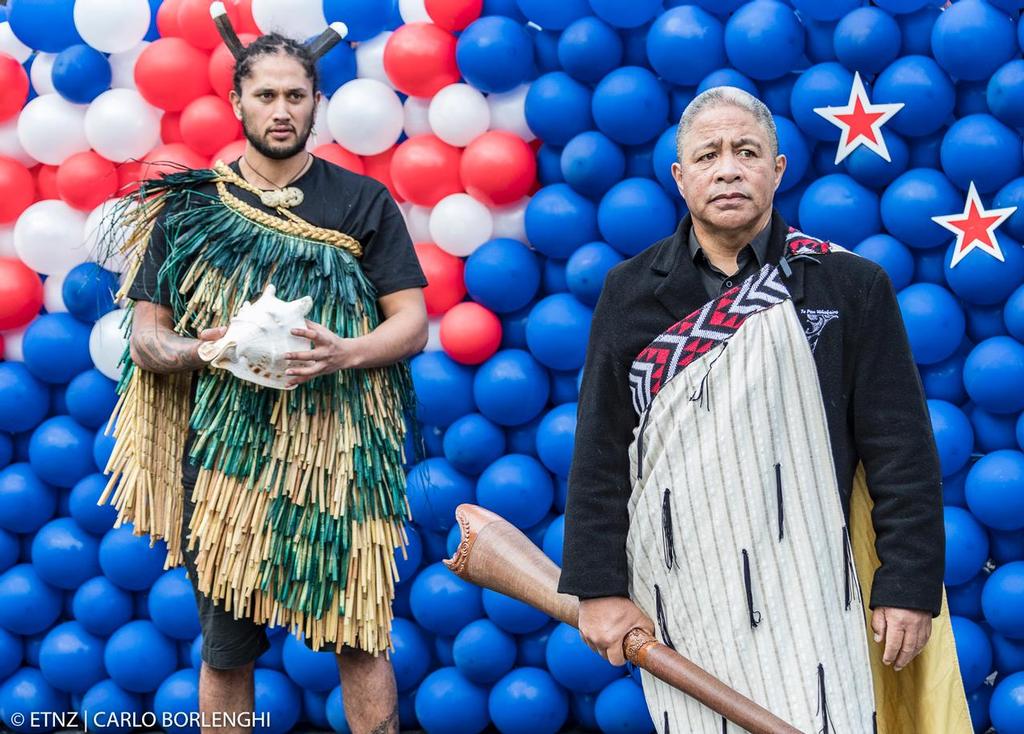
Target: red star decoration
{"x":861,"y":122}
{"x":975,"y":227}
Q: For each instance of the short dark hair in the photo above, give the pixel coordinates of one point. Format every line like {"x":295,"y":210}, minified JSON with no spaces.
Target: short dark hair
{"x":271,"y":44}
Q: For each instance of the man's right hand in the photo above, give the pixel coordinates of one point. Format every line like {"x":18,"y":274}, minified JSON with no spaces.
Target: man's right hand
{"x":605,"y":622}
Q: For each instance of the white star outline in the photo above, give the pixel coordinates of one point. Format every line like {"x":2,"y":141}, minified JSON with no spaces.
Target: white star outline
{"x":859,"y":94}
{"x":974,"y":202}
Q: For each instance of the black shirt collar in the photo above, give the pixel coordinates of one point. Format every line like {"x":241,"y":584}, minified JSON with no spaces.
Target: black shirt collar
{"x":758,"y":245}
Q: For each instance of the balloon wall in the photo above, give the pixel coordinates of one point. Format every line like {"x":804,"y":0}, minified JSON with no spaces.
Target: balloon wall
{"x":529,"y":144}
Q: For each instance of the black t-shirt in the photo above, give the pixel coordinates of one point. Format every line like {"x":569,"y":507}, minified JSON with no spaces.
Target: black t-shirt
{"x":356,"y":205}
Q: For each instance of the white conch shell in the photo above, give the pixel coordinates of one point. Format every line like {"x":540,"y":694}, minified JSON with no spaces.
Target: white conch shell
{"x":257,"y":339}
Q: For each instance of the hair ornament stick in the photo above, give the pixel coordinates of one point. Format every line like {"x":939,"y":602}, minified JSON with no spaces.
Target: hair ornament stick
{"x":331,"y":37}
{"x":226,"y":30}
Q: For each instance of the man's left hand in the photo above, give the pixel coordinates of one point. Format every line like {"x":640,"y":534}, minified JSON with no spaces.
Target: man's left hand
{"x":329,"y":354}
{"x":903,"y":632}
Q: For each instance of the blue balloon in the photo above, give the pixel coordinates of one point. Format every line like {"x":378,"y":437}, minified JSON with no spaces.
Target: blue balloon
{"x":314,"y":671}
{"x":71,"y":659}
{"x":1007,"y":653}
{"x":81,"y":74}
{"x":825,"y":9}
{"x":1005,"y":93}
{"x":776,"y":93}
{"x":364,"y":18}
{"x":411,"y":656}
{"x":591,"y":163}
{"x":545,"y":49}
{"x":966,"y":546}
{"x":839,"y":209}
{"x":101,"y":607}
{"x":727,"y":78}
{"x":57,"y":334}
{"x":557,"y":330}
{"x":503,"y":275}
{"x":929,"y":266}
{"x":630,"y":105}
{"x":472,"y":442}
{"x":984,"y":322}
{"x":634,"y":214}
{"x":532,"y":646}
{"x":558,"y":108}
{"x":575,"y":665}
{"x":442,"y":388}
{"x":586,"y":270}
{"x":28,"y":605}
{"x":965,"y":599}
{"x":434,"y":489}
{"x":64,"y":554}
{"x":129,"y":561}
{"x":511,"y":614}
{"x":588,"y":49}
{"x":508,"y":8}
{"x":994,"y":375}
{"x":992,"y":492}
{"x":1007,"y":705}
{"x":870,"y":169}
{"x":823,"y":85}
{"x":107,"y":703}
{"x":685,"y":44}
{"x":338,"y":66}
{"x":902,"y":6}
{"x":1006,"y":546}
{"x":916,"y":29}
{"x":138,"y":657}
{"x":973,"y":651}
{"x":91,"y":398}
{"x":678,"y":100}
{"x":972,"y":41}
{"x":88,"y":291}
{"x":44,"y":25}
{"x":60,"y":451}
{"x":558,"y":220}
{"x":495,"y":54}
{"x":553,"y":16}
{"x":581,"y":707}
{"x":528,"y":701}
{"x":518,"y":488}
{"x":626,"y":13}
{"x":892,"y":255}
{"x":910,"y":202}
{"x":620,"y":707}
{"x":278,"y":698}
{"x":1003,"y":599}
{"x":1012,"y":195}
{"x":798,"y":155}
{"x":764,"y":40}
{"x":981,"y":149}
{"x":549,"y":165}
{"x":172,"y":605}
{"x":9,"y":549}
{"x":925,"y":90}
{"x":820,"y":46}
{"x":634,"y":45}
{"x":484,"y":652}
{"x":978,"y":702}
{"x":522,"y":439}
{"x":6,"y":449}
{"x":84,"y":508}
{"x":1013,"y":314}
{"x":564,"y":386}
{"x":26,"y":501}
{"x":442,"y":603}
{"x":954,"y":438}
{"x":662,"y":158}
{"x":924,"y":151}
{"x":176,"y":698}
{"x":447,"y":701}
{"x":554,"y":538}
{"x":993,"y":431}
{"x":511,"y":387}
{"x":867,"y":40}
{"x":640,"y":160}
{"x":555,"y":438}
{"x":102,"y":448}
{"x":934,"y":321}
{"x":970,"y":99}
{"x":409,"y":562}
{"x":824,"y":157}
{"x":24,"y":399}
{"x":27,"y":692}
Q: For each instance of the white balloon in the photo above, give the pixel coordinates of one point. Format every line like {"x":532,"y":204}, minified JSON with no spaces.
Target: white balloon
{"x":510,"y":221}
{"x":120,"y":125}
{"x":370,"y":58}
{"x":41,"y":73}
{"x":122,"y":67}
{"x":508,"y":112}
{"x":103,"y":237}
{"x":107,"y":343}
{"x":51,"y":129}
{"x":10,"y":144}
{"x":417,"y":221}
{"x":48,"y":237}
{"x":298,"y":19}
{"x":321,"y":134}
{"x":365,"y":116}
{"x":7,"y":242}
{"x":459,"y":224}
{"x":417,"y":120}
{"x":11,"y":45}
{"x":53,"y":293}
{"x":12,"y":344}
{"x":112,"y":26}
{"x":458,"y":114}
{"x":433,"y":335}
{"x":414,"y":11}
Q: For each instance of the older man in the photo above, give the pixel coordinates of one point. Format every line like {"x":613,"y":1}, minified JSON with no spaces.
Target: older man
{"x":715,"y":457}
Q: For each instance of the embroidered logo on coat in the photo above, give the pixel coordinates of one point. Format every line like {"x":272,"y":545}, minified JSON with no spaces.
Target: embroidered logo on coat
{"x":815,"y":321}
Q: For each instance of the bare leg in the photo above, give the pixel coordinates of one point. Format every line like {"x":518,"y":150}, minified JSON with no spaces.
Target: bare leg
{"x":227,"y":691}
{"x":368,"y":692}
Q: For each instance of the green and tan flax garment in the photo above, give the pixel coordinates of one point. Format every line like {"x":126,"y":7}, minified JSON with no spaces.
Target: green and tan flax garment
{"x":300,"y":499}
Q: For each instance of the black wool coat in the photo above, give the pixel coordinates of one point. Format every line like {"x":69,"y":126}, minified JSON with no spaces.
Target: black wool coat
{"x":874,"y":403}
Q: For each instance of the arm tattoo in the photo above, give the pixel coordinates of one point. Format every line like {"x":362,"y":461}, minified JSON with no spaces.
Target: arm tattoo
{"x":385,"y":727}
{"x":162,"y":351}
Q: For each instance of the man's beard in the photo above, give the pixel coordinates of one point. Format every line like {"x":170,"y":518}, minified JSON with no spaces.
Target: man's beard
{"x":277,"y":153}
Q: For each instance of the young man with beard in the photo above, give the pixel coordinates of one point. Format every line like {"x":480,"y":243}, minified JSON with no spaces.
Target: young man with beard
{"x":285,"y":505}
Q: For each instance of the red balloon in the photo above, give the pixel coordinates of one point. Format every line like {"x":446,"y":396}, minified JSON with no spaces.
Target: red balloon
{"x":46,"y":182}
{"x":195,"y":24}
{"x":445,"y":286}
{"x":419,"y":59}
{"x":222,"y":66}
{"x":230,"y":152}
{"x":498,"y":168}
{"x":170,"y":73}
{"x":454,"y":15}
{"x":171,"y":159}
{"x":425,"y":169}
{"x":21,"y":293}
{"x":170,"y":127}
{"x":208,"y":124}
{"x":379,"y":167}
{"x":85,"y":180}
{"x":337,"y":155}
{"x":17,"y":189}
{"x":167,"y":18}
{"x":246,"y":23}
{"x":129,"y":174}
{"x":13,"y":86}
{"x":470,"y":334}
